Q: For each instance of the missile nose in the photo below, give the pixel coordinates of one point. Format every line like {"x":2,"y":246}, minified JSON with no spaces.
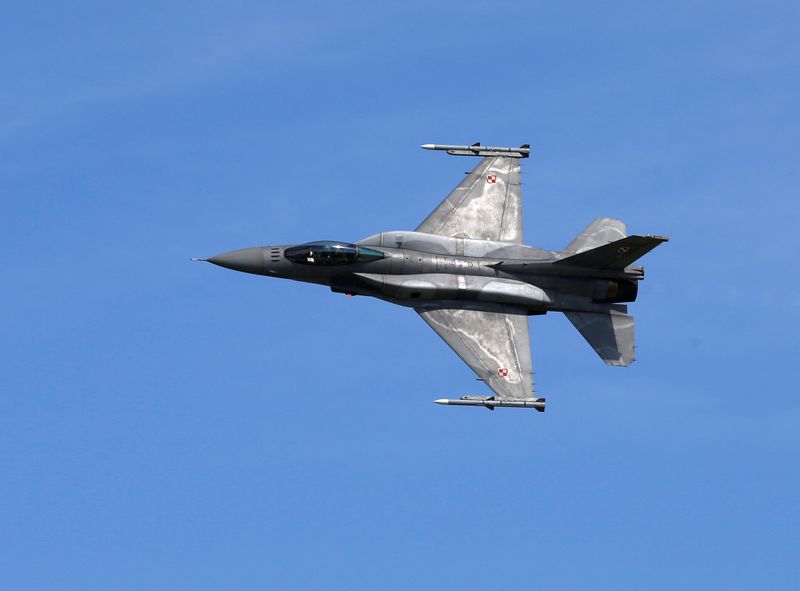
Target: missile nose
{"x":246,"y":260}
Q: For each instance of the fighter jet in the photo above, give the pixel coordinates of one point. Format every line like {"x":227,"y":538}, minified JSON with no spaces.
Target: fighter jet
{"x":467,"y":273}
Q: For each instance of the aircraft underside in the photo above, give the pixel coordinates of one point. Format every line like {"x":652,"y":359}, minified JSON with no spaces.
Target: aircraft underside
{"x":466,"y":272}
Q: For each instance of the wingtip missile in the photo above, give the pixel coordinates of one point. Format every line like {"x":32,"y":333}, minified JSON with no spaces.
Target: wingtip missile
{"x":477,"y":150}
{"x":492,"y":402}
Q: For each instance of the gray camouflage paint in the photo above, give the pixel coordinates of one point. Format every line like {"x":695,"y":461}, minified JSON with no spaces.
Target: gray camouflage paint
{"x":467,"y":274}
{"x":600,"y":231}
{"x":495,"y":346}
{"x":487,"y":204}
{"x":612,"y":341}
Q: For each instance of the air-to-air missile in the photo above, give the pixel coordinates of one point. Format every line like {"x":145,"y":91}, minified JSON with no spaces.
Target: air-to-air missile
{"x":477,"y":150}
{"x":491,"y":402}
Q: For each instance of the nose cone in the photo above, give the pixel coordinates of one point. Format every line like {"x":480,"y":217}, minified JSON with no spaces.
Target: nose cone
{"x":246,"y":260}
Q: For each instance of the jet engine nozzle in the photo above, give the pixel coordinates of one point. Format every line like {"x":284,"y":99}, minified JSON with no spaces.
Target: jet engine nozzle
{"x":615,"y":292}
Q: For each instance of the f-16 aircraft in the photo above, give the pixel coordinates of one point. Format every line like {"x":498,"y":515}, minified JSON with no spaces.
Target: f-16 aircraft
{"x":466,"y":272}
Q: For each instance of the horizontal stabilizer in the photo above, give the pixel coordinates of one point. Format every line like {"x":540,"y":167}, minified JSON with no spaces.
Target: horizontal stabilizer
{"x":599,"y":232}
{"x":610,"y":334}
{"x":614,"y":255}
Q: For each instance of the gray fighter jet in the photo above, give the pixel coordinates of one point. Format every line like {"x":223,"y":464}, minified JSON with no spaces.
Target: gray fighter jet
{"x":466,"y":272}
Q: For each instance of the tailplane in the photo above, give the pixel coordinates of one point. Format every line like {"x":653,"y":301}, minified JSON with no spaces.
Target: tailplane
{"x":609,"y":333}
{"x":599,"y":232}
{"x":605,"y":245}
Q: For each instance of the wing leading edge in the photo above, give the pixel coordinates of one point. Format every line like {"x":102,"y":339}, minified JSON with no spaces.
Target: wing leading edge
{"x":495,"y":346}
{"x":486,"y":205}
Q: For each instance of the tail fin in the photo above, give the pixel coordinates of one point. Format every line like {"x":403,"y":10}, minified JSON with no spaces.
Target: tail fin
{"x":599,"y":232}
{"x":610,"y":334}
{"x":614,"y":255}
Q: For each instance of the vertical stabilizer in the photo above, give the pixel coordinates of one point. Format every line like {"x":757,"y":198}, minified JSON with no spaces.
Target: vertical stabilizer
{"x":610,"y":334}
{"x":614,"y":255}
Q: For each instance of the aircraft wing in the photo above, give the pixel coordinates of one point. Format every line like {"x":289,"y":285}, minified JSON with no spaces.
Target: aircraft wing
{"x":486,"y":205}
{"x":496,"y":347}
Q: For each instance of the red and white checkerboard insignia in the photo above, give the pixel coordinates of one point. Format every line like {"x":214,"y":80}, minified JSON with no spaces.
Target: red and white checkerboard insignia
{"x":492,"y":178}
{"x":502,"y":372}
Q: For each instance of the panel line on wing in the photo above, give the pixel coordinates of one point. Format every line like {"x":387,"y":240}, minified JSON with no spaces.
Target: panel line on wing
{"x":506,"y":199}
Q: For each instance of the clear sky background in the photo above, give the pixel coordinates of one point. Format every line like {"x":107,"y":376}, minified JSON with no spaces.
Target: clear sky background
{"x":174,"y":425}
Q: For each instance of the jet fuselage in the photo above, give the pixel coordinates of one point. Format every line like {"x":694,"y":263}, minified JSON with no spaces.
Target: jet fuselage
{"x":420,"y":270}
{"x":466,"y":272}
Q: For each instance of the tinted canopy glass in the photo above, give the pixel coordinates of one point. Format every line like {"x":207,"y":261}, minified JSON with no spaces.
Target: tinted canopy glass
{"x":327,"y":252}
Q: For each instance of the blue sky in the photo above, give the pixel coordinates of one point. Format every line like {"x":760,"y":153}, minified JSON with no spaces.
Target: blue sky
{"x":169,"y":425}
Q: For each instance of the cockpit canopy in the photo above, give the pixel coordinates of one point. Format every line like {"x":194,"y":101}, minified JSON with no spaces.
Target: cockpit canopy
{"x":328,"y":252}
